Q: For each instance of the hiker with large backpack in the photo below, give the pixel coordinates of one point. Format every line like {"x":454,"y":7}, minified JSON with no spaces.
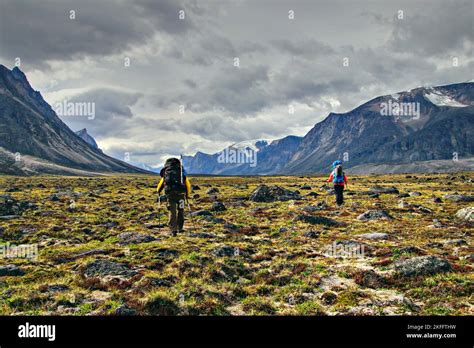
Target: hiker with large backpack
{"x":339,"y":179}
{"x":177,"y":189}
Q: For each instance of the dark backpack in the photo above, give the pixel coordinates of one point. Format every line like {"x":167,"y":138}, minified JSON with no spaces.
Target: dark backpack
{"x":173,"y":176}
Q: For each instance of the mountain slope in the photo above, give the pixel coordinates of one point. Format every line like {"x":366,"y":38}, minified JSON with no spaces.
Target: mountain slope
{"x":30,"y":129}
{"x":443,"y":126}
{"x":87,"y":138}
{"x":264,"y":158}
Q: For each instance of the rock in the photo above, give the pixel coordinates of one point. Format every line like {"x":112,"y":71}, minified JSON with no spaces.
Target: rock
{"x":100,"y":268}
{"x":202,"y":235}
{"x":264,"y":193}
{"x":437,"y":200}
{"x":459,"y":198}
{"x":374,"y":195}
{"x":436,"y":224}
{"x":218,"y":206}
{"x":313,"y":208}
{"x":369,"y":279}
{"x":328,"y":297}
{"x":466,"y":214}
{"x":195,"y":187}
{"x":374,"y":215}
{"x":469,"y":257}
{"x":414,"y":194}
{"x":403,"y":205}
{"x":54,"y":288}
{"x":374,"y":235}
{"x":422,"y":265}
{"x":455,"y":242}
{"x":231,"y":227}
{"x":305,"y":187}
{"x":125,"y":311}
{"x":403,"y":195}
{"x":312,"y":194}
{"x":212,"y":191}
{"x":383,"y":190}
{"x":54,"y":198}
{"x":312,"y":234}
{"x":423,"y":209}
{"x":226,"y":250}
{"x":11,"y":271}
{"x":134,"y":238}
{"x":201,"y":213}
{"x":434,"y":245}
{"x":283,"y":229}
{"x":411,"y":250}
{"x":9,"y":206}
{"x":316,"y":220}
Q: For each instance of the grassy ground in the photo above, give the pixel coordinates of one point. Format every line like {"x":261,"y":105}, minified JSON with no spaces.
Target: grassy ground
{"x":271,"y":266}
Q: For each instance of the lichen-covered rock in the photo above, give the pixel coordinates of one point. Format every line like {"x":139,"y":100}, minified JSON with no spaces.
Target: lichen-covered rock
{"x":374,"y":215}
{"x":264,"y":193}
{"x":422,"y":265}
{"x":106,"y":267}
{"x":466,"y":214}
{"x":134,"y":238}
{"x":11,"y":271}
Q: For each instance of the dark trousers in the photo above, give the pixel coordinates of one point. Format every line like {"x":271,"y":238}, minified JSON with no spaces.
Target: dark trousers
{"x":338,"y":191}
{"x":176,"y":208}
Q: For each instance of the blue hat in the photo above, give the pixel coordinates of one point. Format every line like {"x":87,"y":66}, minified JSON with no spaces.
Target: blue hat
{"x":336,"y":163}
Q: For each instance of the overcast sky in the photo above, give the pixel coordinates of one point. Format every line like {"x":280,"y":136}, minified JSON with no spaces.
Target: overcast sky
{"x":291,"y":54}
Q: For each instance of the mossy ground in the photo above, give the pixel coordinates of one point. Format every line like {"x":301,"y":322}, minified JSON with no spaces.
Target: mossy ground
{"x":274,"y":271}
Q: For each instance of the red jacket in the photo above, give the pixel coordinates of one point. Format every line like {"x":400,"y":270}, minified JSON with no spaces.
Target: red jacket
{"x":331,"y":177}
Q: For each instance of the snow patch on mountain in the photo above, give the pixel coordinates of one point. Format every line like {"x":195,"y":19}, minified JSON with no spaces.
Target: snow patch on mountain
{"x":439,"y":99}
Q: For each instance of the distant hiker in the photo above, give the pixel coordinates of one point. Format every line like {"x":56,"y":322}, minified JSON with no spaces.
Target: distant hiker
{"x":339,"y":179}
{"x":177,"y":189}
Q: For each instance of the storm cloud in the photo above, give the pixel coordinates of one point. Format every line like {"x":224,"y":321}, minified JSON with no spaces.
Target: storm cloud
{"x":170,"y":77}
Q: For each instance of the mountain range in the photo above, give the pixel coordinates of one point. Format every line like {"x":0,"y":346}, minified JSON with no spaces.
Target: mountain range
{"x":424,"y":129}
{"x":33,"y":139}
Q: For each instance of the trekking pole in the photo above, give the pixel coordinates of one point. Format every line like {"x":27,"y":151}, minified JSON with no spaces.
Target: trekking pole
{"x":191,"y":215}
{"x":159,"y":211}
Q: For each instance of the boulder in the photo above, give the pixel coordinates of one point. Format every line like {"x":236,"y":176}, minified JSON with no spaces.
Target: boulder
{"x":373,"y":235}
{"x":369,"y":279}
{"x":225,"y":250}
{"x":466,"y":214}
{"x":459,"y":198}
{"x":264,"y":193}
{"x":218,"y":206}
{"x":385,"y":190}
{"x":9,"y":206}
{"x":100,"y":268}
{"x":134,"y":238}
{"x":201,"y":213}
{"x":11,"y":271}
{"x":370,"y":215}
{"x":422,"y":265}
{"x":316,"y":220}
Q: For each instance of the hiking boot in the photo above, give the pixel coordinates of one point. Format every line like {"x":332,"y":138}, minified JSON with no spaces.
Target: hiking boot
{"x":181,"y":230}
{"x":173,"y":233}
